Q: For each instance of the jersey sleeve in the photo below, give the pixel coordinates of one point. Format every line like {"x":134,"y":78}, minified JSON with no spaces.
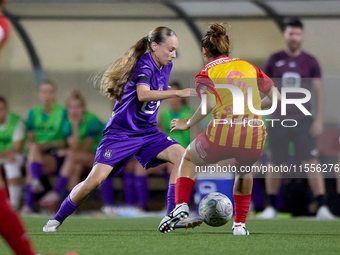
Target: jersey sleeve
{"x":19,"y":132}
{"x":263,"y":81}
{"x":203,"y":84}
{"x":95,"y":128}
{"x":142,"y":75}
{"x":315,"y":68}
{"x":267,"y":68}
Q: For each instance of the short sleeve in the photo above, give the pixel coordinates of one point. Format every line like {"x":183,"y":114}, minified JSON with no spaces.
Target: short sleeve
{"x":267,"y":68}
{"x":19,"y":132}
{"x":142,"y":75}
{"x":95,"y":128}
{"x":263,"y":81}
{"x":30,"y":121}
{"x":315,"y":68}
{"x":204,"y":84}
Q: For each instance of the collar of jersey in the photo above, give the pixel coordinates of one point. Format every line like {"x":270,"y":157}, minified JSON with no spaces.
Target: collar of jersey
{"x":153,"y":62}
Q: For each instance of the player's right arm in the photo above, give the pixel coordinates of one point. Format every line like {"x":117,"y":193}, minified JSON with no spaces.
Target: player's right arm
{"x":145,"y":94}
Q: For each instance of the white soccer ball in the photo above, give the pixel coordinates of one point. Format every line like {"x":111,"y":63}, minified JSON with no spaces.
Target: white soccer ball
{"x":216,"y":209}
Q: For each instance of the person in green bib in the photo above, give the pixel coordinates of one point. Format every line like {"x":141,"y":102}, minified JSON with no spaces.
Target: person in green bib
{"x":45,"y":137}
{"x":83,"y":131}
{"x":12,"y":135}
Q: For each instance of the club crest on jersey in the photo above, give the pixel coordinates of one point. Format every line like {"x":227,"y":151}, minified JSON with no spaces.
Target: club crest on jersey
{"x":108,"y":154}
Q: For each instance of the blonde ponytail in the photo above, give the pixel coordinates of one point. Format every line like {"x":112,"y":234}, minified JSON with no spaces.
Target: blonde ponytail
{"x":117,"y":75}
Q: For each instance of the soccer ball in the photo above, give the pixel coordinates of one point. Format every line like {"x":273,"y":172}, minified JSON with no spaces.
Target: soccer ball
{"x":216,"y":209}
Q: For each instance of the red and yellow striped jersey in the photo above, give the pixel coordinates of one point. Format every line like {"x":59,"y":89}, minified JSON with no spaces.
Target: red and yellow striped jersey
{"x":225,"y":128}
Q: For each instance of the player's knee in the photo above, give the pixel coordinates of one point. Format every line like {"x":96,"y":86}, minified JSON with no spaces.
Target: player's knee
{"x":177,"y":155}
{"x":12,"y":170}
{"x":93,"y":183}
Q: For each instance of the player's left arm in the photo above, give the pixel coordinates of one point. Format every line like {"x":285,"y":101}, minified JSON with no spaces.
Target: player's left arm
{"x":317,"y":125}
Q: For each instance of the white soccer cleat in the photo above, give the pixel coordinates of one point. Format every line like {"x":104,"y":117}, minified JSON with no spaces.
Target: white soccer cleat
{"x":268,"y":213}
{"x":239,"y":229}
{"x":189,"y":222}
{"x":324,"y":214}
{"x":51,"y":226}
{"x":169,"y":222}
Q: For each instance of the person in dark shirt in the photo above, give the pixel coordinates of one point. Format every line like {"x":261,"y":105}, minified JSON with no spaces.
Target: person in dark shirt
{"x":294,"y":68}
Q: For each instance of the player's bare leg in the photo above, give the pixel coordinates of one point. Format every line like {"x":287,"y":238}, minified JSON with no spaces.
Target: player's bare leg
{"x":78,"y":195}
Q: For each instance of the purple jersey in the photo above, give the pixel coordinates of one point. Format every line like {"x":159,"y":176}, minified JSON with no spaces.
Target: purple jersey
{"x":132,"y":116}
{"x":287,"y":71}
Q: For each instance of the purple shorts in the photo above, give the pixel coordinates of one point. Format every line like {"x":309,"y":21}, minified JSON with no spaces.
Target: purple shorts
{"x":117,"y":150}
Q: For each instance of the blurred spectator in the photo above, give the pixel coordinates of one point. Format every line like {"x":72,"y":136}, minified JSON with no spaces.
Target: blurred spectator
{"x":45,"y":136}
{"x":295,"y":68}
{"x":83,"y":131}
{"x":12,"y":135}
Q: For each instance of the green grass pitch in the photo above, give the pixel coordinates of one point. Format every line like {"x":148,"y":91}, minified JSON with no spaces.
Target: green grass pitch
{"x":94,"y":236}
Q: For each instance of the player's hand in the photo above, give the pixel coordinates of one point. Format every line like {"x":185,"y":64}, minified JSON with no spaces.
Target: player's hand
{"x":316,"y":128}
{"x":179,"y":124}
{"x":190,"y":92}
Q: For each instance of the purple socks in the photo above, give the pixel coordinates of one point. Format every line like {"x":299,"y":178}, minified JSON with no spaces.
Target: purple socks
{"x":142,"y":191}
{"x":29,"y":196}
{"x":170,"y":198}
{"x":36,"y":170}
{"x":129,"y":188}
{"x":65,"y":210}
{"x":61,"y":184}
{"x":107,"y":192}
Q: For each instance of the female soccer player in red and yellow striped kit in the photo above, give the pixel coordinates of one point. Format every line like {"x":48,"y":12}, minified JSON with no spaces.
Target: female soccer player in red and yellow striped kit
{"x":228,"y":135}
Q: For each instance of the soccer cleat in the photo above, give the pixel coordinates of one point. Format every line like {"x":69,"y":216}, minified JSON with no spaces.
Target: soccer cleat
{"x":239,"y":229}
{"x":189,"y":222}
{"x":51,"y":226}
{"x":324,"y":214}
{"x":169,"y":222}
{"x":268,"y":213}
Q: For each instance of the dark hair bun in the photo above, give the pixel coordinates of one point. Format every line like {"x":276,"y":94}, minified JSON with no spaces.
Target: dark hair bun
{"x":217,"y":29}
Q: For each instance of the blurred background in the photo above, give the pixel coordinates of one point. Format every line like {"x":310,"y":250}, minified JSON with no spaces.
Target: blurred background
{"x":70,"y":41}
{"x":76,"y":39}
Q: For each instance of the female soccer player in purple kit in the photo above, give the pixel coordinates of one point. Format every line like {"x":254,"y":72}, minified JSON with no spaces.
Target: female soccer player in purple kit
{"x":138,"y":81}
